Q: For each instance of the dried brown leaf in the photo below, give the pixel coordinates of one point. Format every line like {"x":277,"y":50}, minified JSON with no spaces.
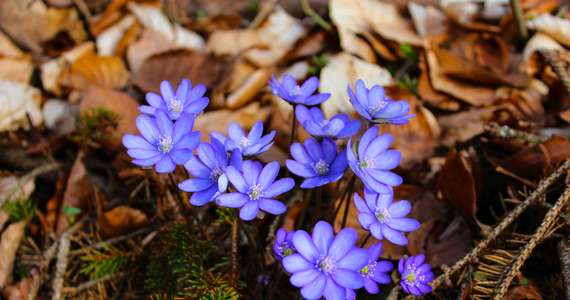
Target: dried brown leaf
{"x":556,"y":27}
{"x":458,"y":184}
{"x":9,"y":243}
{"x":220,"y":119}
{"x":18,"y":102}
{"x":78,"y":192}
{"x":120,"y":220}
{"x":91,"y":69}
{"x":247,"y":91}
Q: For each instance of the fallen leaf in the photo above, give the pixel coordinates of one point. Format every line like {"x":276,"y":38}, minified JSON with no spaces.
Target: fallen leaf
{"x":523,"y":292}
{"x":123,"y":105}
{"x":540,"y":41}
{"x":149,"y":44}
{"x":555,"y":27}
{"x":120,"y":220}
{"x":9,"y":243}
{"x":247,"y":91}
{"x":462,"y":126}
{"x":176,"y":65}
{"x":430,"y":95}
{"x":18,"y":102}
{"x":78,"y":194}
{"x":219,"y":120}
{"x":428,"y":20}
{"x":92,"y":69}
{"x":231,"y":42}
{"x":458,"y":184}
{"x":343,"y":70}
{"x":418,"y":139}
{"x":467,"y":14}
{"x":52,"y":70}
{"x":8,"y":48}
{"x":16,"y":69}
{"x":108,"y":40}
{"x":358,"y":17}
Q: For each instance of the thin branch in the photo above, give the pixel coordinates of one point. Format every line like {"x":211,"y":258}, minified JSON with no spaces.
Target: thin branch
{"x":311,"y":13}
{"x":519,"y":18}
{"x":61,"y":266}
{"x":551,"y":57}
{"x":514,"y":214}
{"x":540,"y":234}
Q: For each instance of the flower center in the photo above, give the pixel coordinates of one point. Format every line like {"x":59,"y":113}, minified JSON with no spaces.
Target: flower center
{"x":244,"y":142}
{"x":285,"y":249}
{"x":216,"y":173}
{"x":254,"y":192}
{"x":175,"y":105}
{"x":366,"y":163}
{"x":411,"y":278}
{"x":321,"y":167}
{"x":326,"y":265}
{"x":297,"y":91}
{"x":383,"y":215}
{"x":379,"y":105}
{"x":368,"y":270}
{"x":164,"y":144}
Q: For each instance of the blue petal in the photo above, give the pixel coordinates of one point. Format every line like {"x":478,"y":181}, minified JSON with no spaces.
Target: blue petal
{"x":314,"y":149}
{"x":360,"y":204}
{"x":142,"y":153}
{"x":195,"y":184}
{"x":305,"y":246}
{"x":279,"y":187}
{"x":317,"y":99}
{"x":249,"y":210}
{"x":323,"y":236}
{"x":251,"y":171}
{"x":394,"y":236}
{"x":197,"y":92}
{"x":343,"y":243}
{"x":400,"y":209}
{"x":328,"y":148}
{"x":207,"y":155}
{"x":300,"y":169}
{"x":354,"y":260}
{"x":255,"y":132}
{"x":182,"y":126}
{"x":350,"y":129}
{"x":374,"y":252}
{"x":137,"y":142}
{"x":404,"y":224}
{"x":196,"y":167}
{"x":371,"y":286}
{"x":183,"y":88}
{"x":333,"y":291}
{"x":366,"y":219}
{"x":146,"y":109}
{"x":314,"y":182}
{"x":234,"y":200}
{"x":299,"y":154}
{"x":302,"y":114}
{"x":268,"y":174}
{"x":235,"y":132}
{"x":334,"y":127}
{"x":180,"y":156}
{"x":339,"y":164}
{"x":386,"y":177}
{"x":314,"y":290}
{"x":203,"y":197}
{"x":310,"y":86}
{"x":155,"y":100}
{"x":196,"y":107}
{"x":164,"y":123}
{"x":348,"y":279}
{"x":166,"y":90}
{"x":362,"y":93}
{"x":165,"y":165}
{"x":313,"y":128}
{"x":376,"y":230}
{"x":302,"y":278}
{"x":272,"y":206}
{"x":379,"y":145}
{"x":147,"y":127}
{"x":237,"y":180}
{"x":295,"y":263}
{"x":366,"y":140}
{"x":147,"y":162}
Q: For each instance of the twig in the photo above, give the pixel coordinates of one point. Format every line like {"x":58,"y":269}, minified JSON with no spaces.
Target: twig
{"x":507,"y":132}
{"x":308,"y":10}
{"x":235,"y":249}
{"x":540,"y":234}
{"x":551,"y":57}
{"x":564,"y":254}
{"x":344,"y":195}
{"x":365,"y":240}
{"x":91,"y":283}
{"x":519,"y":17}
{"x":60,"y":266}
{"x":515,"y":213}
{"x":263,"y":14}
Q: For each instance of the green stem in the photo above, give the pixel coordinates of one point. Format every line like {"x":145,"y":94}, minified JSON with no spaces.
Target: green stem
{"x":308,"y":10}
{"x":519,"y":18}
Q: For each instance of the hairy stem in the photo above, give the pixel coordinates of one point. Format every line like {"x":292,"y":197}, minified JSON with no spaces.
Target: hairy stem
{"x":235,"y":248}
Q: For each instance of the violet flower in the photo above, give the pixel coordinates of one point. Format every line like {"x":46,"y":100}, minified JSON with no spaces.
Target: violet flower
{"x":383,"y":218}
{"x":416,"y":275}
{"x":375,"y":106}
{"x":325,"y":265}
{"x":251,"y":144}
{"x":256,"y":187}
{"x":317,"y":162}
{"x":371,"y":161}
{"x":186,"y":100}
{"x":376,"y":271}
{"x":313,"y":121}
{"x":162,"y":143}
{"x":283,"y":245}
{"x":208,"y":169}
{"x":289,"y":91}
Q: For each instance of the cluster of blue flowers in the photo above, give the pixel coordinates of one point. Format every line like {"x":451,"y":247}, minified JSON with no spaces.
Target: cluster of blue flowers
{"x":329,"y":266}
{"x":225,"y":171}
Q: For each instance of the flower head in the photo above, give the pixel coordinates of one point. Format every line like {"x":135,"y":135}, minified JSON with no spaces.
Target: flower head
{"x":289,"y":91}
{"x":375,"y":106}
{"x":251,"y":144}
{"x":416,"y":275}
{"x":256,"y":189}
{"x":162,"y":143}
{"x":376,"y":271}
{"x":325,"y":265}
{"x":283,"y":245}
{"x":371,"y":161}
{"x":383,"y":218}
{"x":317,"y":162}
{"x":186,"y":100}
{"x":208,"y":169}
{"x":314,"y":122}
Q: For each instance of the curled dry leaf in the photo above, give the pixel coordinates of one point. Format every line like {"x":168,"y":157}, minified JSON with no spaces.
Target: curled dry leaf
{"x":368,"y":16}
{"x":120,"y":220}
{"x":175,"y":65}
{"x":247,"y":91}
{"x":428,"y":20}
{"x":430,"y":95}
{"x":52,"y":70}
{"x":9,"y":243}
{"x":108,"y":40}
{"x":540,"y":41}
{"x":123,"y":105}
{"x":458,"y":183}
{"x":14,"y":64}
{"x":418,"y":139}
{"x":343,"y":70}
{"x":467,"y":14}
{"x":555,"y":27}
{"x":149,"y":44}
{"x":524,"y":292}
{"x":220,"y":119}
{"x":18,"y":102}
{"x":91,"y":69}
{"x":264,"y":46}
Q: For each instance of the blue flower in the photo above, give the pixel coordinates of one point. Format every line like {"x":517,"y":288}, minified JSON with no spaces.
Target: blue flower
{"x":314,"y":122}
{"x":251,"y":144}
{"x":283,"y":245}
{"x":289,"y":91}
{"x":376,"y":271}
{"x":256,"y":187}
{"x":326,"y":265}
{"x":208,"y":169}
{"x":318,"y":163}
{"x":162,"y":143}
{"x":371,"y":161}
{"x":383,"y":218}
{"x":416,"y":275}
{"x":375,"y":106}
{"x":186,"y":100}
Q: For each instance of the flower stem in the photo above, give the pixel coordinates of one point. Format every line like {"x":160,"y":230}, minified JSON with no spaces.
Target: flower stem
{"x":293,"y":128}
{"x":235,"y":248}
{"x":365,"y":240}
{"x":346,"y":192}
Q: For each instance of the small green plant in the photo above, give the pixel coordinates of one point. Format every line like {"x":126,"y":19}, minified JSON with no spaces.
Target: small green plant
{"x":95,"y":125}
{"x":71,"y":213}
{"x":408,"y":82}
{"x":102,"y":262}
{"x":318,"y":63}
{"x":20,"y":210}
{"x":408,"y":52}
